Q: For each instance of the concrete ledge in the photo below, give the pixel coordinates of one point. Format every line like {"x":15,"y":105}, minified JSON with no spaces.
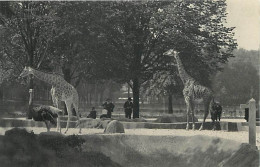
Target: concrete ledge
{"x":227,"y":126}
{"x":28,"y":123}
{"x":90,"y":123}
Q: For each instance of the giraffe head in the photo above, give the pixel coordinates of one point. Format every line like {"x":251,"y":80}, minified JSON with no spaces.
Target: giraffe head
{"x":171,"y":52}
{"x":26,"y":71}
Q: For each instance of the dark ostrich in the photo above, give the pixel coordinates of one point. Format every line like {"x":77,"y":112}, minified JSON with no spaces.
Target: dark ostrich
{"x":46,"y":114}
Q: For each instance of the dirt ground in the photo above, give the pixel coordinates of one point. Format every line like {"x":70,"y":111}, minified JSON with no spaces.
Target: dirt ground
{"x":165,"y":147}
{"x":239,"y":136}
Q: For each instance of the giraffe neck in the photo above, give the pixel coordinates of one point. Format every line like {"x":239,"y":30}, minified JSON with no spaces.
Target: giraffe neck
{"x":46,"y":77}
{"x":183,"y":74}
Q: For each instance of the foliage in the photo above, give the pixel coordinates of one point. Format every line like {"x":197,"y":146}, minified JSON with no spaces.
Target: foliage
{"x":140,"y":32}
{"x":203,"y":41}
{"x":73,"y":40}
{"x":163,"y":83}
{"x":122,"y":41}
{"x":239,"y":80}
{"x":242,"y":55}
{"x":28,"y":32}
{"x":196,"y":30}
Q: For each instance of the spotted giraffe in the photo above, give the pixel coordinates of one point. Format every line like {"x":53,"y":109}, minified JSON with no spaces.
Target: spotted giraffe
{"x":192,"y":91}
{"x":63,"y":92}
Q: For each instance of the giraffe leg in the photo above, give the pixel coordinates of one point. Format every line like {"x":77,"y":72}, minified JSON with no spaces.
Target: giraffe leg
{"x":58,"y":124}
{"x":56,"y":104}
{"x":206,"y":112}
{"x":77,"y":114}
{"x":69,"y":109}
{"x":214,"y":116}
{"x":192,"y":114}
{"x":55,"y":101}
{"x":187,"y":100}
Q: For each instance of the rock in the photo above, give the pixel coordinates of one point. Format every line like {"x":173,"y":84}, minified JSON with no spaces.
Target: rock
{"x":114,"y":127}
{"x":247,"y":155}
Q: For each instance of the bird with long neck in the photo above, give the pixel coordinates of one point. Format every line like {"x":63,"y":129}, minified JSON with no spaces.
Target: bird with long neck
{"x":66,"y":93}
{"x":192,"y":91}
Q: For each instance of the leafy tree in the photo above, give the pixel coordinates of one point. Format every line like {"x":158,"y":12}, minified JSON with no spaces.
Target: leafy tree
{"x":27,"y":34}
{"x":140,"y":32}
{"x":238,"y":82}
{"x":135,"y":53}
{"x":124,"y":41}
{"x":199,"y":35}
{"x":72,"y":40}
{"x":242,"y":55}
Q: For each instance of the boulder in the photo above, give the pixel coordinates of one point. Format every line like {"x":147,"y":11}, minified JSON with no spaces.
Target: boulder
{"x":114,"y":127}
{"x":247,"y":155}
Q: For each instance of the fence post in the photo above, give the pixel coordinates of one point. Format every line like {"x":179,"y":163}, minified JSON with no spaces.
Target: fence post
{"x":252,"y":122}
{"x":29,"y":116}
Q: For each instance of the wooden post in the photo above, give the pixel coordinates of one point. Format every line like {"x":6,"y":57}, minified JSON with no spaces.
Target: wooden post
{"x":29,"y":116}
{"x":252,"y":122}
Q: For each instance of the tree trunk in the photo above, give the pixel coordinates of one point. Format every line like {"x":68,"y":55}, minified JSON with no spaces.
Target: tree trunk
{"x":136,"y":88}
{"x":1,"y":94}
{"x":128,"y":90}
{"x":101,"y":97}
{"x":138,"y":48}
{"x":90,"y":97}
{"x":170,"y":110}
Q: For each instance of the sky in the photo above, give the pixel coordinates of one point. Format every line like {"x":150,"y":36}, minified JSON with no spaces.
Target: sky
{"x":245,"y":16}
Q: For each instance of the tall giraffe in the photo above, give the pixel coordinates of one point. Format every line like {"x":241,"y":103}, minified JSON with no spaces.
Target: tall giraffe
{"x":192,"y":91}
{"x":63,"y":92}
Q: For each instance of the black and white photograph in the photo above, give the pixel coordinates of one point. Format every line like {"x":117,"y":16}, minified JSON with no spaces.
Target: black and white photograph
{"x":130,"y":83}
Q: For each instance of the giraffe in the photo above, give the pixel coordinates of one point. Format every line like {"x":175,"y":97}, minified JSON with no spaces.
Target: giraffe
{"x":63,"y":92}
{"x":192,"y":91}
